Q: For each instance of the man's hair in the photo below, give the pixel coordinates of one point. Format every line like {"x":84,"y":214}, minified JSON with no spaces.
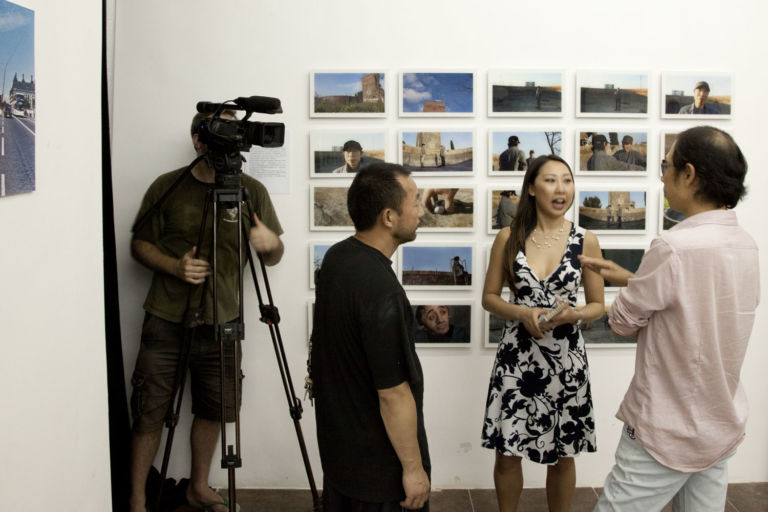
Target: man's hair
{"x":719,"y":163}
{"x":599,"y":142}
{"x":198,"y":118}
{"x":420,"y":311}
{"x":375,"y":188}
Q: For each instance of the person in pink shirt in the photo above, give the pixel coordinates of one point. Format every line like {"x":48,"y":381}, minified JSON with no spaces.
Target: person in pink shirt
{"x":691,"y":305}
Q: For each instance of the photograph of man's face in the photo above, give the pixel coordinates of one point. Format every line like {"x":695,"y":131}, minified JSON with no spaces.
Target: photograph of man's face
{"x":441,"y":323}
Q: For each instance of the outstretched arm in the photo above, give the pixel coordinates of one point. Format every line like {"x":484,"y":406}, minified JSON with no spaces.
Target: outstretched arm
{"x":608,"y":269}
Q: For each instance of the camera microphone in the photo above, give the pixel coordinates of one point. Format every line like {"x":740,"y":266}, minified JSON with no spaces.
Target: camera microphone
{"x":263,"y":104}
{"x":206,"y":107}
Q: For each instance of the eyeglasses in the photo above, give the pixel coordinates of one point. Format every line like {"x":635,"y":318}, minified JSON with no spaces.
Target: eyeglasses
{"x":664,"y":166}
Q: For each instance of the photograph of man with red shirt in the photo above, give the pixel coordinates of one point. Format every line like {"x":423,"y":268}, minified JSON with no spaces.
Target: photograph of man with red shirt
{"x":691,"y":305}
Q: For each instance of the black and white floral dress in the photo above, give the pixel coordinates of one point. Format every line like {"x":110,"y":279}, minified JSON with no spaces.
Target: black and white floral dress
{"x":539,"y":401}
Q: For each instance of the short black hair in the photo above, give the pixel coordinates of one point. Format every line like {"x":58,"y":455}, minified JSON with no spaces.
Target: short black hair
{"x":719,"y":163}
{"x":375,"y":188}
{"x":599,"y":142}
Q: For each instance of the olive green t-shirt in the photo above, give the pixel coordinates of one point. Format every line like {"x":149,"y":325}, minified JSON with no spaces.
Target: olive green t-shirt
{"x":174,"y":230}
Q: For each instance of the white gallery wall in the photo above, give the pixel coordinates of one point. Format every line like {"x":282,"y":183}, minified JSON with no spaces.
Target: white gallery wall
{"x":53,"y":432}
{"x":169,"y":55}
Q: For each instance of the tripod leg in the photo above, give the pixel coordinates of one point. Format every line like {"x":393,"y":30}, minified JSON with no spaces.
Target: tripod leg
{"x":271,"y":317}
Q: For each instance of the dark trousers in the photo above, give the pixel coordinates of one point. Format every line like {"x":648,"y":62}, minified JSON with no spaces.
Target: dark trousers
{"x":334,"y":501}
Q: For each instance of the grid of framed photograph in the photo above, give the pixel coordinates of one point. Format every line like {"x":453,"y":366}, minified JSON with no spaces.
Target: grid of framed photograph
{"x":612,"y":160}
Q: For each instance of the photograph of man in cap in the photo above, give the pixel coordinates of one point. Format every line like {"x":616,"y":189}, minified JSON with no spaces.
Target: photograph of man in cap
{"x":353,"y":157}
{"x":512,"y":158}
{"x":629,"y":155}
{"x":699,"y":105}
{"x":602,"y":161}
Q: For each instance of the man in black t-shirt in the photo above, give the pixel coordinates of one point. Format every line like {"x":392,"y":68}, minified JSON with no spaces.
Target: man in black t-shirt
{"x":367,"y":378}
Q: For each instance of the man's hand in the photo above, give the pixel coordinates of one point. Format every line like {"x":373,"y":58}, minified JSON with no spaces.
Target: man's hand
{"x":266,"y":242}
{"x":416,"y":485}
{"x":608,"y":269}
{"x":191,"y":269}
{"x":262,"y":238}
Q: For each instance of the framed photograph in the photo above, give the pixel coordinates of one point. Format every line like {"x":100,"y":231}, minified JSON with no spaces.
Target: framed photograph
{"x":697,"y":95}
{"x":442,"y":323}
{"x":437,"y":153}
{"x":511,"y":151}
{"x":628,"y":256}
{"x":448,"y":208}
{"x":668,"y":138}
{"x":525,"y":93}
{"x":328,"y":209}
{"x":606,"y":153}
{"x":347,"y":94}
{"x":437,"y":94}
{"x":668,"y":218}
{"x":611,"y":94}
{"x":317,"y":250}
{"x":612,"y":210}
{"x":19,"y":104}
{"x":502,"y":206}
{"x":494,"y":329}
{"x":598,"y":333}
{"x":341,"y":153}
{"x":436,"y":266}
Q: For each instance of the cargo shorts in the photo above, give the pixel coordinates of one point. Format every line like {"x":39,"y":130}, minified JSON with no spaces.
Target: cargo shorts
{"x":156,"y":367}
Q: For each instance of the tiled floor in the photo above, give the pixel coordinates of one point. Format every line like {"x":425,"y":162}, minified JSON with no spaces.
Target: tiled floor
{"x":741,"y":498}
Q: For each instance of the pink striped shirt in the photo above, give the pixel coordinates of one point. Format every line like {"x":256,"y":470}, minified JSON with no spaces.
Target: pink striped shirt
{"x":693,"y":300}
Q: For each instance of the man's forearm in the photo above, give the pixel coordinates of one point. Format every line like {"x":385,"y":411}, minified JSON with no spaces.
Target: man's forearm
{"x":151,"y":257}
{"x":398,"y":411}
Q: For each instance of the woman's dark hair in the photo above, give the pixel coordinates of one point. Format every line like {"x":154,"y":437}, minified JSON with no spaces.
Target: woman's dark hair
{"x":720,"y":165}
{"x":525,"y":219}
{"x":375,"y":188}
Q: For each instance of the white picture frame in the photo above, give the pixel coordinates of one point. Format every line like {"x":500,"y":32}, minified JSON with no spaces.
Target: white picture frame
{"x":604,"y":221}
{"x":612,"y":94}
{"x":459,"y":335}
{"x":637,"y":156}
{"x":447,"y":152}
{"x":340,"y":88}
{"x":326,"y":153}
{"x":513,"y":93}
{"x":433,"y":265}
{"x":441,"y":92}
{"x":678,"y":89}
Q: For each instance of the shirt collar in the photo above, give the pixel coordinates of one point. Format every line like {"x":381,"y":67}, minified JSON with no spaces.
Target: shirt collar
{"x":724,"y":217}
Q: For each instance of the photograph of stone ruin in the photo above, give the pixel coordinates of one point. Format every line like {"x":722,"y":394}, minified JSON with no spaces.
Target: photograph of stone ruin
{"x":437,"y":93}
{"x":614,"y":210}
{"x":442,"y":151}
{"x":349,"y":93}
{"x":613,"y":93}
{"x":436,"y":266}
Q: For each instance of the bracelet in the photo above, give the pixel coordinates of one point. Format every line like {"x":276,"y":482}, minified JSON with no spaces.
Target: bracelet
{"x":581,"y":318}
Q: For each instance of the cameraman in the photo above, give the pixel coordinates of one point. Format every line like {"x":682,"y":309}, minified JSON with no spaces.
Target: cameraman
{"x":166,"y":244}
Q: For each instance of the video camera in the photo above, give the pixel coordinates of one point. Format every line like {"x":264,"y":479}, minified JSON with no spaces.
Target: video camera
{"x":227,"y":138}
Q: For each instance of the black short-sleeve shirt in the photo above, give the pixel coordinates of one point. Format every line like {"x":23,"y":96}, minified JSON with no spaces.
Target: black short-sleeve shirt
{"x":361,"y":342}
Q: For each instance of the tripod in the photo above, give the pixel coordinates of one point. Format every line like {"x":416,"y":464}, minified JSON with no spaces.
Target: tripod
{"x":227,"y":194}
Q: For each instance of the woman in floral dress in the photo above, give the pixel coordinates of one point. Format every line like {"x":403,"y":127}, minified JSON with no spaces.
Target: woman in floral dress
{"x":539,"y":403}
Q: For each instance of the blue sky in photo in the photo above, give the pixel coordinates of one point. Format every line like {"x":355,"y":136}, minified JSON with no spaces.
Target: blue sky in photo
{"x":455,"y":89}
{"x":623,"y":80}
{"x":637,"y":197}
{"x":434,"y":258}
{"x":536,"y":141}
{"x":719,"y":85}
{"x":519,"y":78}
{"x":345,"y":84}
{"x":325,"y":141}
{"x":319,"y":252}
{"x":460,"y":139}
{"x":16,"y":43}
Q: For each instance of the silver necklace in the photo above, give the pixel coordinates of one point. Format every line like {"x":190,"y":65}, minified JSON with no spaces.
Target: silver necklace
{"x":547,"y":240}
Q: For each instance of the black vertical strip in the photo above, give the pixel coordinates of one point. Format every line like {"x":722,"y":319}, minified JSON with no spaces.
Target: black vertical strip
{"x":119,"y":428}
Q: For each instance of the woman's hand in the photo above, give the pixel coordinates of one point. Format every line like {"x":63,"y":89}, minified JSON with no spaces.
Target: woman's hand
{"x":530,"y":319}
{"x":567,"y":316}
